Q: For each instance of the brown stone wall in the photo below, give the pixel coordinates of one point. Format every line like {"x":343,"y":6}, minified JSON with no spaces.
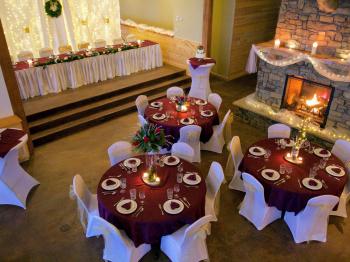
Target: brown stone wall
{"x":304,"y":22}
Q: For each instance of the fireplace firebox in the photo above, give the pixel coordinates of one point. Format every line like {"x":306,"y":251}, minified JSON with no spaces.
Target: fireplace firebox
{"x":307,"y":99}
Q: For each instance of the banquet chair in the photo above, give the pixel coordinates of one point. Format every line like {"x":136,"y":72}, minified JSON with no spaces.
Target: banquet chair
{"x":141,"y":104}
{"x":131,"y":38}
{"x":217,"y":140}
{"x":142,"y":120}
{"x":25,"y":55}
{"x":312,"y":222}
{"x":118,"y":41}
{"x":213,"y":183}
{"x":190,"y":135}
{"x":86,"y":202}
{"x":183,"y":150}
{"x":188,"y":244}
{"x":83,"y":46}
{"x":118,"y":246}
{"x":215,"y":100}
{"x":45,"y":52}
{"x":100,"y":43}
{"x":235,"y":157}
{"x":341,"y":149}
{"x":174,"y":91}
{"x":254,"y":207}
{"x":119,"y":151}
{"x":278,"y":131}
{"x":65,"y":49}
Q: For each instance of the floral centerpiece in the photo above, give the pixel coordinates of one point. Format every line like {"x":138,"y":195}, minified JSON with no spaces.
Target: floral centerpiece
{"x":181,"y":103}
{"x":299,"y":141}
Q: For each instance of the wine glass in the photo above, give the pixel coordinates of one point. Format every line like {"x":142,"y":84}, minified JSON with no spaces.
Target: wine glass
{"x":142,"y":196}
{"x":132,"y":193}
{"x":170,"y":193}
{"x":176,"y":190}
{"x":267,"y":155}
{"x":123,"y":185}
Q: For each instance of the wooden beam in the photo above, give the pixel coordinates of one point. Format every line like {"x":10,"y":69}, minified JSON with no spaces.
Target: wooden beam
{"x":11,"y":84}
{"x":207,"y":25}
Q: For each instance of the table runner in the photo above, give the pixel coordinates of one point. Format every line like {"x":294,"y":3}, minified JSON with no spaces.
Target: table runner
{"x":151,"y":225}
{"x":42,"y":80}
{"x":172,"y":127}
{"x":196,"y":62}
{"x":9,"y":139}
{"x":289,"y":196}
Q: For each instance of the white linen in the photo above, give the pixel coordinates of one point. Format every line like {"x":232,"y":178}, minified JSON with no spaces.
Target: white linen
{"x":39,"y":81}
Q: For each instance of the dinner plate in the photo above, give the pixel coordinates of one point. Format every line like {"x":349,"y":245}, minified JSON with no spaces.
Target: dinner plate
{"x":322,"y":152}
{"x":110,"y":183}
{"x":201,"y":102}
{"x":288,"y":142}
{"x":173,"y":206}
{"x":270,"y":174}
{"x":207,"y":113}
{"x":132,"y":162}
{"x":316,"y":184}
{"x":171,"y":160}
{"x":336,"y":171}
{"x":187,"y":121}
{"x":191,"y":179}
{"x":257,"y":151}
{"x":159,"y":116}
{"x":157,"y":104}
{"x":123,"y":209}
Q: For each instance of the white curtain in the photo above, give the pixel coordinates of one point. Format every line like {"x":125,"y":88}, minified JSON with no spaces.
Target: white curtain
{"x":28,"y":27}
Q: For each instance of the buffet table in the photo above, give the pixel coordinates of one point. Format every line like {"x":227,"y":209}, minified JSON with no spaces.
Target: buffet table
{"x":54,"y":78}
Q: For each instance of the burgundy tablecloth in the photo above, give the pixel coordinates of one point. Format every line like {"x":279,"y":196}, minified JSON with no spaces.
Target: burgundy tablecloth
{"x":9,"y":139}
{"x":196,"y":62}
{"x":151,"y":225}
{"x":172,"y":126}
{"x":24,"y":64}
{"x":289,"y":196}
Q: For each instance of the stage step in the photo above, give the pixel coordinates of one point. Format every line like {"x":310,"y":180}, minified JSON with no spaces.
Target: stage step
{"x":67,"y":118}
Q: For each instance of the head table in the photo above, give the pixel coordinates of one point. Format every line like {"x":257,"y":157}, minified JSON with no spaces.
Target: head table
{"x":153,"y":223}
{"x":292,"y":195}
{"x":172,"y":124}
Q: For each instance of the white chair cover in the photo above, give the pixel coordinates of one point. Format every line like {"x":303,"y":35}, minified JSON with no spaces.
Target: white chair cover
{"x":278,"y":131}
{"x":312,"y":222}
{"x":254,"y":207}
{"x":216,"y":100}
{"x":141,"y":104}
{"x":200,"y":87}
{"x":142,"y":120}
{"x":100,"y":43}
{"x":190,"y":135}
{"x":25,"y":55}
{"x":119,"y":151}
{"x":45,"y":52}
{"x":213,"y":182}
{"x":86,"y":202}
{"x":118,"y":41}
{"x":174,"y":91}
{"x":15,"y":182}
{"x":118,"y":246}
{"x":188,"y":244}
{"x":217,"y":140}
{"x":183,"y":150}
{"x":233,"y":162}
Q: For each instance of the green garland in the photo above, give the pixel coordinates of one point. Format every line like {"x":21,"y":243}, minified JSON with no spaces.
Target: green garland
{"x":53,"y":8}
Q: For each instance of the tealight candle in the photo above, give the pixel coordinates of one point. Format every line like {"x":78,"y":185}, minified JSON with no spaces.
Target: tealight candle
{"x":300,"y":158}
{"x":277,"y":43}
{"x":288,"y":155}
{"x":30,"y":62}
{"x":139,"y":42}
{"x":314,"y":48}
{"x":145,"y":175}
{"x":157,"y":179}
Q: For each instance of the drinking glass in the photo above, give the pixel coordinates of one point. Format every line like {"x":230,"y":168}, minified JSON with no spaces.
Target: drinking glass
{"x":267,"y":155}
{"x":132,"y":194}
{"x":179,"y":178}
{"x":170,"y":193}
{"x":282,"y":169}
{"x":283,"y":143}
{"x":289,"y":169}
{"x":123,"y":184}
{"x":161,"y":162}
{"x":134,"y":169}
{"x":176,"y":189}
{"x":312,"y":173}
{"x":322,"y":163}
{"x":142,"y":196}
{"x":180,"y":169}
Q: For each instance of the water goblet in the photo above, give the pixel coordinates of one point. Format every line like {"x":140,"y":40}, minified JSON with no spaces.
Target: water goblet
{"x":289,"y":170}
{"x":170,"y":193}
{"x":123,"y":185}
{"x":267,"y":155}
{"x":179,"y":177}
{"x":142,"y":196}
{"x":132,"y":193}
{"x":180,"y":168}
{"x":282,"y":169}
{"x":134,"y":169}
{"x":176,"y":190}
{"x":283,"y":143}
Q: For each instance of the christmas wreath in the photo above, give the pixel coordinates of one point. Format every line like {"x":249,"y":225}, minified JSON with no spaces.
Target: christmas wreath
{"x":53,"y":8}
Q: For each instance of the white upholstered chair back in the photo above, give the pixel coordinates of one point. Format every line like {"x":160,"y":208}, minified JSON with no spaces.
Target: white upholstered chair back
{"x":279,"y":131}
{"x":233,"y":162}
{"x":142,"y":120}
{"x":223,"y":123}
{"x":119,"y":151}
{"x":25,"y":55}
{"x":183,"y":150}
{"x":174,"y":91}
{"x":45,"y":52}
{"x":197,"y":229}
{"x":216,"y":100}
{"x":100,"y":43}
{"x":236,"y":151}
{"x":191,"y":135}
{"x":141,"y":104}
{"x":341,"y":149}
{"x":254,"y":190}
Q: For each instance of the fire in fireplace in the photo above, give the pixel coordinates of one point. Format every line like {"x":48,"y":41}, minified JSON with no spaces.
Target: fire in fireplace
{"x":307,"y":99}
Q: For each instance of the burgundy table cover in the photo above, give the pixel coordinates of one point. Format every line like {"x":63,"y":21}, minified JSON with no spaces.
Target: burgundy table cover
{"x":9,"y":139}
{"x":151,"y":225}
{"x":196,"y":62}
{"x":24,"y":64}
{"x":289,"y":196}
{"x":172,"y":126}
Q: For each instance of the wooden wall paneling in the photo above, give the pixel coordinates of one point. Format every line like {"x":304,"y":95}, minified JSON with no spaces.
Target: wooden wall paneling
{"x":207,"y":25}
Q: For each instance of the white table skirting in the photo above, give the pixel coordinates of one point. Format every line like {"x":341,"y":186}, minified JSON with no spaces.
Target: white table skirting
{"x":39,"y":81}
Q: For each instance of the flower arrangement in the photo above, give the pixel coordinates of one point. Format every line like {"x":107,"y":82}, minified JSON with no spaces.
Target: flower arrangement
{"x":181,"y":102}
{"x":53,"y":8}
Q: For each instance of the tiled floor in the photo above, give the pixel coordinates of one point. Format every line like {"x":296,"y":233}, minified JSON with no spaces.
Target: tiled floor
{"x":49,"y":230}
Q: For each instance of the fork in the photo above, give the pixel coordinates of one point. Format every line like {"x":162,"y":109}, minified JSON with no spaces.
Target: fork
{"x":109,"y":192}
{"x":184,"y":198}
{"x":119,"y":201}
{"x":161,"y":209}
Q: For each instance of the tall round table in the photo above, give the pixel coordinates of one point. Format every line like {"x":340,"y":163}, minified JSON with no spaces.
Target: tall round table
{"x":291,"y":195}
{"x":153,"y":223}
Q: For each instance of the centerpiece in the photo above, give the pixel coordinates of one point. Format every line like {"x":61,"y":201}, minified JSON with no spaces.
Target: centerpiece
{"x":181,"y":103}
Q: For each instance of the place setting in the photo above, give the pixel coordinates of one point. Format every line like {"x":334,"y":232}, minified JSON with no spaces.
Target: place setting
{"x":156,"y":105}
{"x":320,"y":152}
{"x":206,"y":113}
{"x":256,"y":151}
{"x":130,"y":165}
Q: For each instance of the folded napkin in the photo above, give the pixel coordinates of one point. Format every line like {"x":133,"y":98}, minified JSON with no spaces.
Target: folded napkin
{"x":132,"y":161}
{"x":324,"y":152}
{"x":127,"y":205}
{"x":270,"y":174}
{"x":256,"y":150}
{"x":192,"y":177}
{"x":174,"y":205}
{"x":312,"y":183}
{"x":336,"y":169}
{"x":171,"y":159}
{"x":110,"y":182}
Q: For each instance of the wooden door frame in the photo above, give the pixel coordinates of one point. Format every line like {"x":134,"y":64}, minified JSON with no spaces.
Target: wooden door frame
{"x":207,"y":25}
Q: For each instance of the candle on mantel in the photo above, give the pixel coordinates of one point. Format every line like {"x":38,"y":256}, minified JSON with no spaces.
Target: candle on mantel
{"x":30,"y":62}
{"x":314,"y":48}
{"x":277,"y":43}
{"x":139,"y":42}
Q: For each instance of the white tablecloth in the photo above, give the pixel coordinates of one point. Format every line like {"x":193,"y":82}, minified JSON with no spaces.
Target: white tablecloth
{"x":39,"y":81}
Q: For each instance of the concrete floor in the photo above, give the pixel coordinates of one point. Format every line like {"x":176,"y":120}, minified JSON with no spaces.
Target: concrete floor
{"x":49,"y":230}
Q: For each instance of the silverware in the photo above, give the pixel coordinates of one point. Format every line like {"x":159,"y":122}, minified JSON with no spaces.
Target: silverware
{"x":114,"y":176}
{"x":299,"y":183}
{"x":183,"y":202}
{"x":253,"y":156}
{"x":109,"y":192}
{"x":119,"y":201}
{"x":137,"y":211}
{"x":261,"y":168}
{"x":184,"y":198}
{"x":161,"y":209}
{"x":188,"y":186}
{"x":324,"y":184}
{"x":141,"y":210}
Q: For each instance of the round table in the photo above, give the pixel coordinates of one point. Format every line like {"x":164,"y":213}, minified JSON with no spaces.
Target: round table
{"x":9,"y":138}
{"x":291,"y":196}
{"x":151,"y":225}
{"x":172,"y":125}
